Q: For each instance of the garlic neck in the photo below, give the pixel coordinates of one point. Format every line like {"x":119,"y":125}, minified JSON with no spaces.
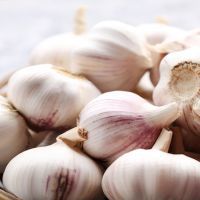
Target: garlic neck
{"x":163,"y":116}
{"x":74,"y":137}
{"x":164,"y":140}
{"x":185,"y":81}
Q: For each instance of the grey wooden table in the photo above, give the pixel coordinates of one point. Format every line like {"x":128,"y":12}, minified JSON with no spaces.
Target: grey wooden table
{"x":24,"y":23}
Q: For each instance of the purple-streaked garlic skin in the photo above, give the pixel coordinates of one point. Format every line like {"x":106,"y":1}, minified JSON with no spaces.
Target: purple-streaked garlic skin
{"x":53,"y":172}
{"x":118,"y":122}
{"x":49,"y":97}
{"x":152,"y":174}
{"x":179,"y":81}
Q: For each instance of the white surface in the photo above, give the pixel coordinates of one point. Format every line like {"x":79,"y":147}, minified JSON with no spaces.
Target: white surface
{"x":24,"y":23}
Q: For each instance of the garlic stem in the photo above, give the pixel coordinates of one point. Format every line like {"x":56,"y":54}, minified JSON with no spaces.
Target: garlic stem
{"x":74,"y":137}
{"x":7,"y":196}
{"x":79,"y":19}
{"x":164,"y":140}
{"x":162,"y":20}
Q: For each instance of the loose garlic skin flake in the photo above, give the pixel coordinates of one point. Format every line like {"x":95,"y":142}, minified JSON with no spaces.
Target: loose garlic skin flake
{"x":152,"y":174}
{"x":114,"y":56}
{"x":180,"y":82}
{"x":49,"y":97}
{"x":13,"y":133}
{"x":53,"y":172}
{"x":119,"y":121}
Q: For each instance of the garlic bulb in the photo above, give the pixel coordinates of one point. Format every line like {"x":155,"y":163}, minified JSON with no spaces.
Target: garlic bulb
{"x":177,"y":42}
{"x":113,"y":56}
{"x":56,"y":50}
{"x":156,"y":33}
{"x":152,"y":174}
{"x":13,"y":133}
{"x":118,"y":122}
{"x":49,"y":96}
{"x":53,"y":172}
{"x":179,"y":81}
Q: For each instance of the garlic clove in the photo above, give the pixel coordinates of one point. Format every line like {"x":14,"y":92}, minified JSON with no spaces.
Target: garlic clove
{"x":179,"y":81}
{"x":114,"y":56}
{"x":56,"y":50}
{"x":118,"y":122}
{"x":13,"y":133}
{"x":53,"y":172}
{"x":50,"y":97}
{"x":152,"y":174}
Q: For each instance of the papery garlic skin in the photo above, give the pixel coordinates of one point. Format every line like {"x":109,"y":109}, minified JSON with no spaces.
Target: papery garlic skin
{"x":119,"y":121}
{"x":152,"y":174}
{"x":113,"y":56}
{"x":53,"y":172}
{"x":49,"y":97}
{"x":179,"y":81}
{"x":13,"y":133}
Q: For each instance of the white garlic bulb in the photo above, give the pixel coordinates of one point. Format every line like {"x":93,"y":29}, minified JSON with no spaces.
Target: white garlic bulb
{"x":118,"y":122}
{"x":13,"y":133}
{"x":165,"y":39}
{"x":179,"y":81}
{"x":181,"y":41}
{"x":53,"y":172}
{"x":49,"y":97}
{"x":56,"y":50}
{"x":152,"y":174}
{"x":114,"y":56}
{"x":156,"y":33}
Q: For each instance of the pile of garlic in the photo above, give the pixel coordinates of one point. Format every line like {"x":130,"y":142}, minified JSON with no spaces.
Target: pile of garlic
{"x":93,"y":115}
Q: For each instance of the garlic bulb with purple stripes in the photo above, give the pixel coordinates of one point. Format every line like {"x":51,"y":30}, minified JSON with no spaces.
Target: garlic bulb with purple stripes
{"x":53,"y":172}
{"x":49,"y":97}
{"x":152,"y":174}
{"x":118,"y":122}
